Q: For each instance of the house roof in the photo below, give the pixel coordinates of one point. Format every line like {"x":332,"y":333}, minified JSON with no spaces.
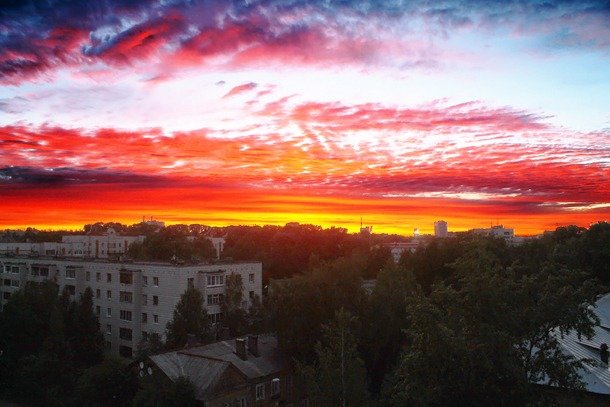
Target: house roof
{"x":205,"y":365}
{"x":596,"y":377}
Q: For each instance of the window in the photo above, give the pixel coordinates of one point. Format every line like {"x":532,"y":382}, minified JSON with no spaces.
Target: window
{"x":125,"y":351}
{"x":98,"y":276}
{"x":215,"y":299}
{"x":144,"y":318}
{"x":155,"y":300}
{"x":125,"y":296}
{"x":156,"y":281}
{"x":98,"y":293}
{"x":190,"y":283}
{"x":108,"y":312}
{"x":15,"y":269}
{"x":144,"y":299}
{"x":108,"y":329}
{"x":14,"y":283}
{"x":108,"y":345}
{"x":126,"y":278}
{"x":144,"y":281}
{"x":156,"y":319}
{"x":6,"y":296}
{"x":215,"y":280}
{"x":215,"y":318}
{"x":71,"y":274}
{"x":125,"y":333}
{"x":97,"y":310}
{"x":144,"y":335}
{"x":251,"y":277}
{"x":35,"y":271}
{"x":251,"y":294}
{"x":275,"y":387}
{"x":44,"y":272}
{"x":260,"y":391}
{"x":88,"y":276}
{"x":108,"y":278}
{"x":7,"y":282}
{"x":71,"y":289}
{"x":108,"y":294}
{"x":125,"y":315}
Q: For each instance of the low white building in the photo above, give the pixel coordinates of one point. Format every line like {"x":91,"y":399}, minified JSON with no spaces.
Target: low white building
{"x":132,"y":300}
{"x":398,"y":248}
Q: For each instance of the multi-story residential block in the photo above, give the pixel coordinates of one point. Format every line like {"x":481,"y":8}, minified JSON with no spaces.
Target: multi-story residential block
{"x":103,"y":246}
{"x":132,"y":300}
{"x":440,"y":228}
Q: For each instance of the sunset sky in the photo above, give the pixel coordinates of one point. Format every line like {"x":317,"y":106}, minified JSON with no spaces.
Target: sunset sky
{"x":267,"y":112}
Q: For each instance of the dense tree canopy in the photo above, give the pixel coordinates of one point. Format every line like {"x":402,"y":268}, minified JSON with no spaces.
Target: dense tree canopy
{"x":190,"y":318}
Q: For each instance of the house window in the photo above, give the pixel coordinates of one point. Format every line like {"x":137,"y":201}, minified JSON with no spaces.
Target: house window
{"x":251,"y":294}
{"x":125,"y":315}
{"x":215,"y":299}
{"x":108,"y":312}
{"x":156,"y":281}
{"x":44,"y":272}
{"x":125,"y":296}
{"x":144,"y":299}
{"x":6,"y":295}
{"x":71,"y":289}
{"x":35,"y":271}
{"x":125,"y":333}
{"x":155,"y":300}
{"x":156,"y":319}
{"x":144,"y":335}
{"x":98,"y":276}
{"x":126,"y":278}
{"x":108,"y":295}
{"x":98,"y":293}
{"x":108,"y":329}
{"x":88,"y":275}
{"x":108,"y":278}
{"x":15,"y":269}
{"x":14,"y":283}
{"x":108,"y":345}
{"x":190,"y":283}
{"x":71,"y":274}
{"x":7,"y":282}
{"x":97,"y":310}
{"x":144,"y":281}
{"x":251,"y":278}
{"x":144,"y":318}
{"x":275,"y":387}
{"x":260,"y":391}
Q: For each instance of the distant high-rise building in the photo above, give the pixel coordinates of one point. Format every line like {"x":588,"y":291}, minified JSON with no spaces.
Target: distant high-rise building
{"x":440,"y":228}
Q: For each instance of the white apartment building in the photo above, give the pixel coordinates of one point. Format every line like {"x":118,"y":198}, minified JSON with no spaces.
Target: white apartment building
{"x":96,"y":246}
{"x":132,"y":300}
{"x":496,"y":231}
{"x":440,"y":228}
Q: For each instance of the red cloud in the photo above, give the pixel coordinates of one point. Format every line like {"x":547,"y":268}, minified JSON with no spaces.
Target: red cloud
{"x":241,"y":89}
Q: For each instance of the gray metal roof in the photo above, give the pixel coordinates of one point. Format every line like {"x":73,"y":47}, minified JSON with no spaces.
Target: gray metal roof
{"x":596,"y":378}
{"x":204,"y":365}
{"x":268,"y":362}
{"x":204,"y":373}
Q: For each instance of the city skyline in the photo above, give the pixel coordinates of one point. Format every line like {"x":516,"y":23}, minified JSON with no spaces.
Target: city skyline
{"x":269,"y":112}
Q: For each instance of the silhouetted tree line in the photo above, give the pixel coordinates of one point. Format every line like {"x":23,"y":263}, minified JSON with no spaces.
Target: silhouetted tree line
{"x":461,"y":322}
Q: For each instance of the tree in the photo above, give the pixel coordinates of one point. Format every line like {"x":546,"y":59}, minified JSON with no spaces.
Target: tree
{"x":110,"y":383}
{"x":234,"y":316}
{"x":181,"y":392}
{"x":190,"y":318}
{"x":338,"y":377}
{"x":485,"y":339}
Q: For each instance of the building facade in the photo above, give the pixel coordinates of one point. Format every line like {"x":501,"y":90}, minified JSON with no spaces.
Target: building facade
{"x":132,"y":300}
{"x":440,"y":228}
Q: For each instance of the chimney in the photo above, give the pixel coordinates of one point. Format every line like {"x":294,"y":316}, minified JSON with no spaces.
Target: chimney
{"x":603,"y":352}
{"x":240,"y":348}
{"x":253,"y":344}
